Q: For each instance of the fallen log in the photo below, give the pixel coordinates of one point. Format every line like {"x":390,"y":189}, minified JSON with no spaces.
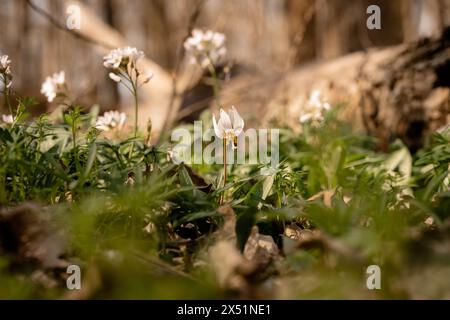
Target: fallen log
{"x":396,"y":92}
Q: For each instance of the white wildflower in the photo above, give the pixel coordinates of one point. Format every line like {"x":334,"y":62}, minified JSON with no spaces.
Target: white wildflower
{"x":206,"y":47}
{"x":54,"y":86}
{"x":122,"y":57}
{"x":5,"y":73}
{"x":7,"y":118}
{"x":229,"y":126}
{"x":111,"y":120}
{"x":123,"y":63}
{"x":5,"y":64}
{"x":315,"y":109}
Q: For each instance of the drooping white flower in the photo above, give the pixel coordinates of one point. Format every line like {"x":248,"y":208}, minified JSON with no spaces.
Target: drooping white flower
{"x":206,"y":47}
{"x":315,"y":108}
{"x":7,"y":118}
{"x":229,"y":126}
{"x":54,"y":85}
{"x":5,"y":64}
{"x":121,"y":57}
{"x":111,"y":120}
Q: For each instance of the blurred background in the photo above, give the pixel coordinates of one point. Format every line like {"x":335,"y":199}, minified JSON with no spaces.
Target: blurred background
{"x":280,"y":51}
{"x":266,"y":36}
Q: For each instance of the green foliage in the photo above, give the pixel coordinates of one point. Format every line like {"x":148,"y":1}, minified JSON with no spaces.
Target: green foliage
{"x":143,"y":223}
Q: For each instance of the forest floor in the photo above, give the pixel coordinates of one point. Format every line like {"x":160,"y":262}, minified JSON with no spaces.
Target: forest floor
{"x":335,"y":219}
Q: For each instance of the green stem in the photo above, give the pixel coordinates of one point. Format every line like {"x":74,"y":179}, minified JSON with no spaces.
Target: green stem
{"x":224,"y":170}
{"x":136,"y":111}
{"x":74,"y":135}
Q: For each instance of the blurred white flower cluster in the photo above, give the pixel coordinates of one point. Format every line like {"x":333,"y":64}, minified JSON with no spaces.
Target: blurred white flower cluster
{"x":5,"y":73}
{"x":5,"y":64}
{"x":54,"y":86}
{"x":123,"y":63}
{"x":315,"y":109}
{"x":206,"y":47}
{"x":122,"y":57}
{"x":111,"y":120}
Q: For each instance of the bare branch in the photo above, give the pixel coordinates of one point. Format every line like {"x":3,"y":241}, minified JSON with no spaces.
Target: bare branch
{"x":62,"y":27}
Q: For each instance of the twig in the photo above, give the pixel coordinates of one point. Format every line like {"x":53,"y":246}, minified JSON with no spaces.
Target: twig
{"x":62,"y":27}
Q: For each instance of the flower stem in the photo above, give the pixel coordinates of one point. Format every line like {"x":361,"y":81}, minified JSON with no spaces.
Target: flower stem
{"x":136,"y":111}
{"x":222,"y":198}
{"x":74,"y":134}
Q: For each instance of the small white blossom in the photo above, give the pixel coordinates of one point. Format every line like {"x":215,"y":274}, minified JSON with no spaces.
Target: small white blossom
{"x":7,"y":118}
{"x":315,"y":108}
{"x":206,"y":47}
{"x":5,"y":64}
{"x":54,"y":85}
{"x":111,"y":120}
{"x":123,"y":63}
{"x":5,"y":73}
{"x":229,"y":126}
{"x":121,"y":57}
{"x":115,"y":77}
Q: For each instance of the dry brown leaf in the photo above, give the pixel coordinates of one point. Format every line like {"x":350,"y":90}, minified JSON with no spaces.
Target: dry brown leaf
{"x":27,"y":233}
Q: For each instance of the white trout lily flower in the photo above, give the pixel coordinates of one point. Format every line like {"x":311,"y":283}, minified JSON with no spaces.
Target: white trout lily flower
{"x":7,"y":118}
{"x":229,"y":126}
{"x":315,"y":109}
{"x":54,"y":86}
{"x":206,"y":47}
{"x":111,"y":120}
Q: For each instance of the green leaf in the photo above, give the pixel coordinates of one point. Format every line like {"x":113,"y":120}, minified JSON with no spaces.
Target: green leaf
{"x":244,"y":224}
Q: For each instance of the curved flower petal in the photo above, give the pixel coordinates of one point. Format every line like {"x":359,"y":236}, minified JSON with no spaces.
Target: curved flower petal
{"x":237,"y":121}
{"x":217,"y":129}
{"x":225,"y":121}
